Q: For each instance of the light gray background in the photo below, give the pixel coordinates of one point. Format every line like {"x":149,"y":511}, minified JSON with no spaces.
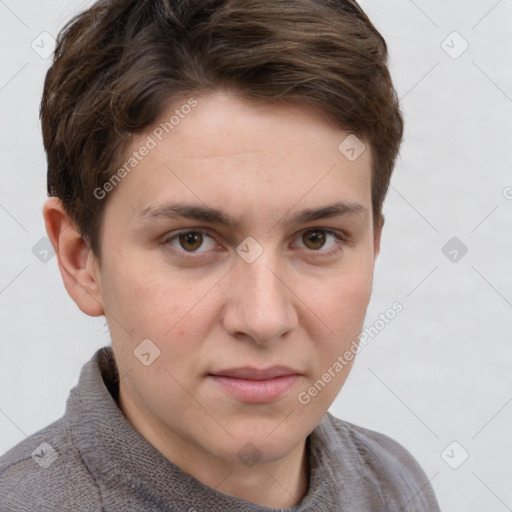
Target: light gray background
{"x":441,"y":370}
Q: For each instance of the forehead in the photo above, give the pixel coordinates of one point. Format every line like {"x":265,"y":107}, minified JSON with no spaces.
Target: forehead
{"x":224,"y":123}
{"x":236,"y":156}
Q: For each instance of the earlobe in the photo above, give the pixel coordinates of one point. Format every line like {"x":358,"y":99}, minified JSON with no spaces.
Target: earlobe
{"x":77,"y":263}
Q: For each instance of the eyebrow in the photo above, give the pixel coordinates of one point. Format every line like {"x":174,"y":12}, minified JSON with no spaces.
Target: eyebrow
{"x":173,"y":210}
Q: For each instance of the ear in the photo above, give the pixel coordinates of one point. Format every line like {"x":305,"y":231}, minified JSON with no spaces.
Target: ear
{"x":377,"y":233}
{"x":78,"y":265}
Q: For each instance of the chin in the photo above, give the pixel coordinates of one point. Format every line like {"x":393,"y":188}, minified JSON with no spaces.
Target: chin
{"x":259,"y":443}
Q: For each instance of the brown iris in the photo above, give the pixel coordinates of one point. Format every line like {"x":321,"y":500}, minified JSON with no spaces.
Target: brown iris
{"x":191,"y":241}
{"x":314,"y":239}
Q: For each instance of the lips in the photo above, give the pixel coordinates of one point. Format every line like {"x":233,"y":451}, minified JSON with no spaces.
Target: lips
{"x":249,"y":373}
{"x":254,"y":385}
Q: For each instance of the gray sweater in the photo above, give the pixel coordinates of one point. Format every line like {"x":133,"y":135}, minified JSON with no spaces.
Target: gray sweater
{"x":92,"y":459}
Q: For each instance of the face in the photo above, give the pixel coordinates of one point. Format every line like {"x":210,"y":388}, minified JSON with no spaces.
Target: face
{"x":242,"y":247}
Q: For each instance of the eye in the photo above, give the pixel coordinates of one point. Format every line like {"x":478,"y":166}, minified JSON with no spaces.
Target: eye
{"x":190,"y":241}
{"x":197,"y":241}
{"x":321,"y":240}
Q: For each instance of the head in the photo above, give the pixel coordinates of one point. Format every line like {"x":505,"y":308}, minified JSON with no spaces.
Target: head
{"x":217,"y":171}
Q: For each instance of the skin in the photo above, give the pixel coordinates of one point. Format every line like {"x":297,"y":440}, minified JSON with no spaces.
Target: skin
{"x":299,"y":304}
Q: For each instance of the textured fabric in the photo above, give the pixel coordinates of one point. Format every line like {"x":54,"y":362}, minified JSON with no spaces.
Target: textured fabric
{"x":94,"y":460}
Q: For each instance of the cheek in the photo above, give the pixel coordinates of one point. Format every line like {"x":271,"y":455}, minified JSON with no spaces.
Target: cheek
{"x":342,"y":300}
{"x":342,"y":308}
{"x":351,"y":300}
{"x":339,"y":309}
{"x":150,"y":299}
{"x":168,"y":311}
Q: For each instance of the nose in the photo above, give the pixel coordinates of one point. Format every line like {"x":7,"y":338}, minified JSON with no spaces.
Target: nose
{"x":260,"y":305}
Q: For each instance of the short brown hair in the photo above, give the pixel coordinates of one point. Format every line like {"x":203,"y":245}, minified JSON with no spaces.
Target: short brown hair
{"x":120,"y":62}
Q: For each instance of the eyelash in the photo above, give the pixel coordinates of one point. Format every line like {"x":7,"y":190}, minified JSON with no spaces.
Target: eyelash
{"x":342,"y":241}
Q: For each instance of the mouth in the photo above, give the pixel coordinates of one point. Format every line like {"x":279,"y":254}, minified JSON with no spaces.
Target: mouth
{"x":253,"y":385}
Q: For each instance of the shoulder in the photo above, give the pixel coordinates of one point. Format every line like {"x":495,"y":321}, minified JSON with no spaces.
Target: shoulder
{"x":44,"y":472}
{"x":385,"y":463}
